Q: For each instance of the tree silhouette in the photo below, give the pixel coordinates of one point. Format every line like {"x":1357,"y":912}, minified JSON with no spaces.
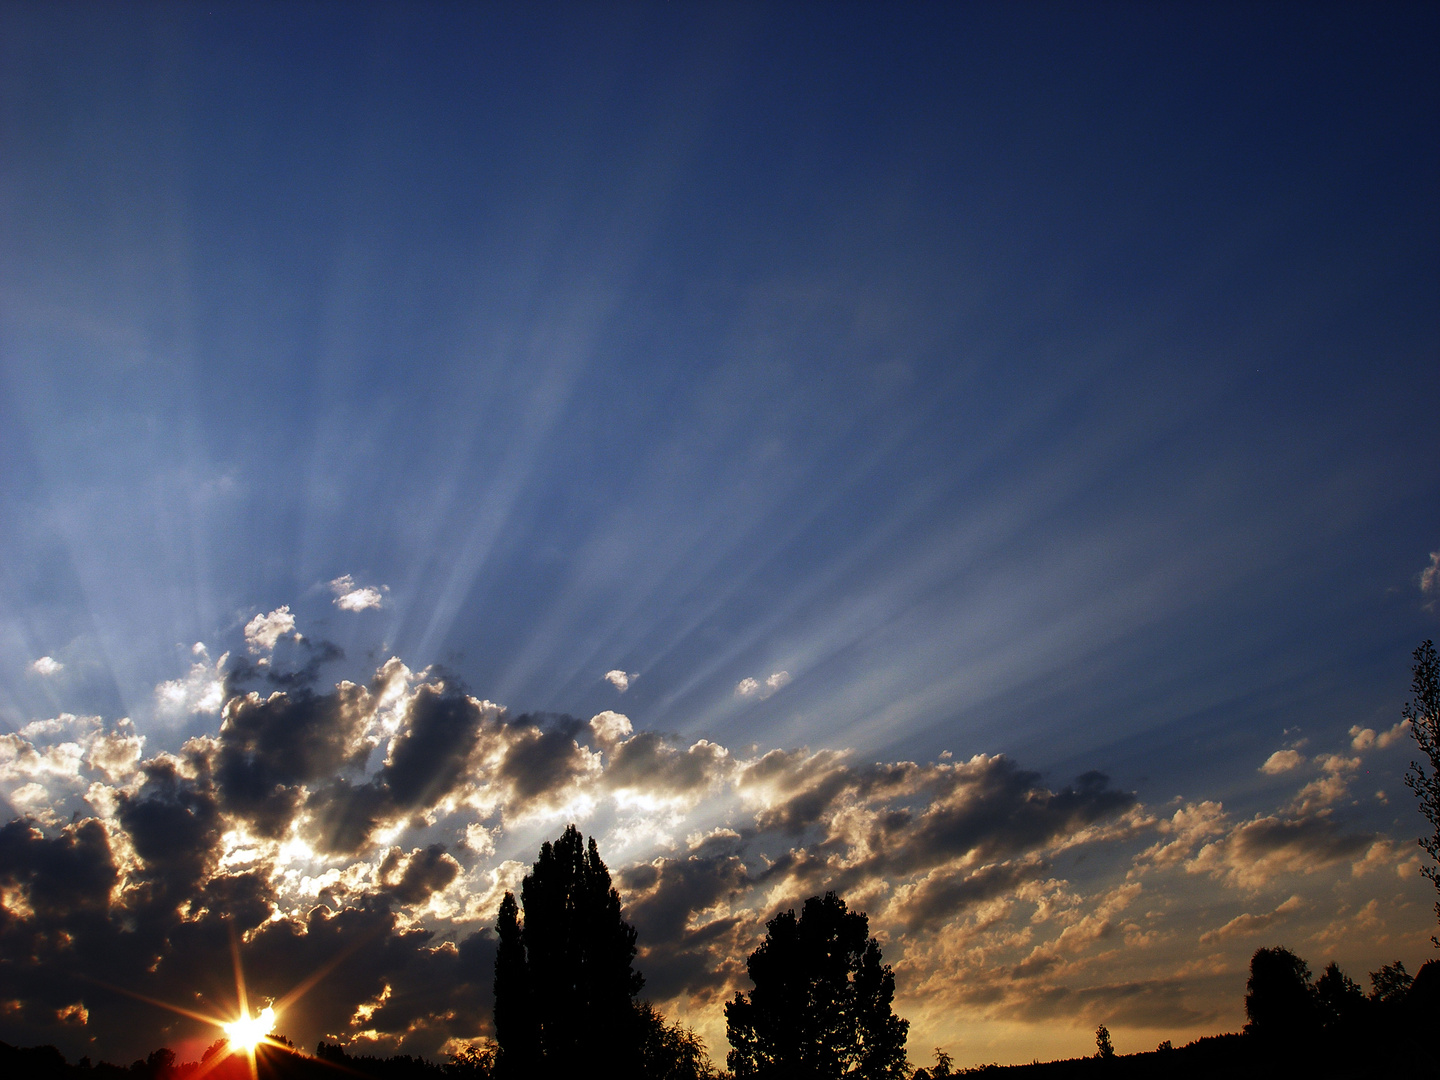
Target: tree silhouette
{"x":670,"y":1051}
{"x":1279,"y":1000}
{"x":1390,"y":985}
{"x":515,"y":1028}
{"x":821,"y":1007}
{"x":1104,"y":1048}
{"x":564,"y":980}
{"x":1424,"y":716}
{"x":1342,"y":1004}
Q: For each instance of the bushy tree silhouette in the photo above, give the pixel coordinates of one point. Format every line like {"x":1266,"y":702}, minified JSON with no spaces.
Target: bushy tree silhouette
{"x":821,"y":1007}
{"x":1342,"y":1005}
{"x":1279,"y":1000}
{"x":564,"y":981}
{"x":1390,"y":985}
{"x":1424,"y":716}
{"x":670,"y":1051}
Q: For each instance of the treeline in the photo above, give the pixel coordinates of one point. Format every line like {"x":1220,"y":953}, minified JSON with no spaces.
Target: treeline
{"x":1324,"y":1027}
{"x":567,"y":1006}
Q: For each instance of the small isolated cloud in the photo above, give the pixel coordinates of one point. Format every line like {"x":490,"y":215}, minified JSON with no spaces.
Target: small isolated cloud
{"x":749,"y":687}
{"x":263,"y":631}
{"x":1281,"y":761}
{"x":352,"y":597}
{"x":1430,"y":580}
{"x":620,"y":679}
{"x":47,"y":665}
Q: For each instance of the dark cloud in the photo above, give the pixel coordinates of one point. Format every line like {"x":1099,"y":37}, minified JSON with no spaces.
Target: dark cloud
{"x":425,"y":761}
{"x":1318,"y":839}
{"x":62,"y":875}
{"x":174,"y":827}
{"x":269,"y":748}
{"x":265,"y":834}
{"x":543,"y":757}
{"x":410,"y":879}
{"x":103,"y":918}
{"x":994,"y":809}
{"x":945,"y":893}
{"x":649,"y":763}
{"x":662,"y":895}
{"x":295,"y":662}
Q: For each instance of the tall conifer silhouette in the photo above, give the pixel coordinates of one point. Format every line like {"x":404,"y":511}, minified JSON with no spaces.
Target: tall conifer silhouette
{"x":564,"y":980}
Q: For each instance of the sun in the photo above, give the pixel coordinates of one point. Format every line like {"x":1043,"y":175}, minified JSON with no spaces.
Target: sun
{"x":247,"y":1032}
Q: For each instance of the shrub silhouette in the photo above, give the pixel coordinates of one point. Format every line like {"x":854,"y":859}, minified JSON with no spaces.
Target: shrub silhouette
{"x":821,"y":1007}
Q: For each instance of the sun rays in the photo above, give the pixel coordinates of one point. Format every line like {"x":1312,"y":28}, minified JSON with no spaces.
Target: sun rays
{"x":247,"y":1032}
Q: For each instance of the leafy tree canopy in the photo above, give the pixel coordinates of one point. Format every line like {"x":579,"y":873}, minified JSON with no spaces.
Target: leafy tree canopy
{"x":821,"y":1007}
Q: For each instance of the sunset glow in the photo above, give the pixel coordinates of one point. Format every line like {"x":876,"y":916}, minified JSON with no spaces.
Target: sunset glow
{"x":978,"y":459}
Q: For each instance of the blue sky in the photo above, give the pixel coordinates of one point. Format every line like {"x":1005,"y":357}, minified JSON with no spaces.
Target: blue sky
{"x":1049,"y":381}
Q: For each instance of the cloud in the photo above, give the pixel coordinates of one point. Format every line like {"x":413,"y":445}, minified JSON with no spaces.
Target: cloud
{"x":375,"y":824}
{"x":649,"y":766}
{"x":263,"y":631}
{"x":620,"y":679}
{"x":1190,"y":826}
{"x":47,"y":666}
{"x":749,"y":687}
{"x":1269,"y":847}
{"x":941,"y":894}
{"x":1330,"y":787}
{"x":1247,"y":924}
{"x":65,"y":755}
{"x":200,"y":691}
{"x":1362,"y":739}
{"x":1281,"y":761}
{"x":609,"y":728}
{"x":352,"y":597}
{"x":1430,"y":580}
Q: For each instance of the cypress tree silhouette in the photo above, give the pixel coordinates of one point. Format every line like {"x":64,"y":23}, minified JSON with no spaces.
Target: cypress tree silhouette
{"x":821,"y":1007}
{"x":515,"y":1028}
{"x":564,"y":981}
